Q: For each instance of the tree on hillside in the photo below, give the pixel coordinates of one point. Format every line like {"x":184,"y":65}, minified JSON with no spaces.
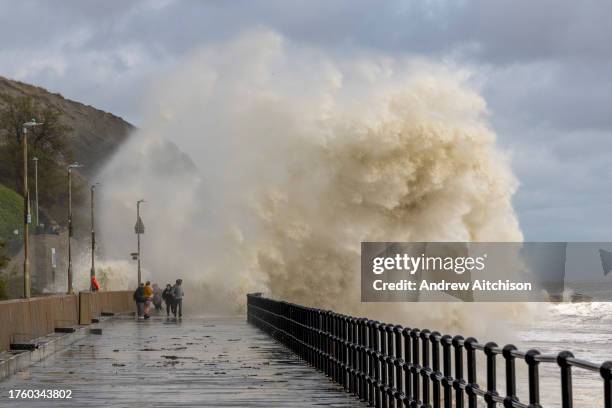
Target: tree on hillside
{"x":47,"y":142}
{"x":3,"y":258}
{"x":3,"y":263}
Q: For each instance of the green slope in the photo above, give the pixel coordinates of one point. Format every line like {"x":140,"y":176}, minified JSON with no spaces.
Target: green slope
{"x":11,"y":212}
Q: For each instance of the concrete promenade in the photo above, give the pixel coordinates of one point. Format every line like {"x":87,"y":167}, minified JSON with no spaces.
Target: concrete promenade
{"x":207,"y":361}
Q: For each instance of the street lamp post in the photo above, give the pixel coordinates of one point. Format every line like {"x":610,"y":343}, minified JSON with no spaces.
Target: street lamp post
{"x":26,"y":209}
{"x":93,"y":238}
{"x":139,"y":229}
{"x":70,"y":167}
{"x":35,"y":160}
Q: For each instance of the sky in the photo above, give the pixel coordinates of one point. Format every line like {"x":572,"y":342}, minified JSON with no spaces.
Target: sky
{"x":544,"y":68}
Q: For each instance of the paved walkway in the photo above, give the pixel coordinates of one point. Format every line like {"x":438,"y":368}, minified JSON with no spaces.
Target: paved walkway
{"x":211,"y":362}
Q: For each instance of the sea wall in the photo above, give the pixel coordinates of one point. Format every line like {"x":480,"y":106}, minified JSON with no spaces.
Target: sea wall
{"x":22,"y":320}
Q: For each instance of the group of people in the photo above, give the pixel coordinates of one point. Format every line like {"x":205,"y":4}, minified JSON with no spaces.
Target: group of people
{"x":147,"y":295}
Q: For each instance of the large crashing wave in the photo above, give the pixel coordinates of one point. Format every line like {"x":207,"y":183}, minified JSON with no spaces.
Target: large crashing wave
{"x":299,"y":157}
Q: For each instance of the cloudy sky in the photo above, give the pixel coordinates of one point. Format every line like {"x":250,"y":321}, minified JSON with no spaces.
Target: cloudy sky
{"x":545,"y":69}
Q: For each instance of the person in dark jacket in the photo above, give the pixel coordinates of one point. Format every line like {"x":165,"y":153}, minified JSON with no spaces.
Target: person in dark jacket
{"x":177,"y":292}
{"x":157,"y":297}
{"x":140,"y":299}
{"x":168,"y":296}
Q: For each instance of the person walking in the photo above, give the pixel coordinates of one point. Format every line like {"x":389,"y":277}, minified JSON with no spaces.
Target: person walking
{"x":178,"y":298}
{"x":168,"y":297}
{"x":139,"y":298}
{"x":148,"y":293}
{"x":157,"y":297}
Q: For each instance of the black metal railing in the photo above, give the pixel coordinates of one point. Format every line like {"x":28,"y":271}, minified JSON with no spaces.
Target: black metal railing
{"x":392,"y":366}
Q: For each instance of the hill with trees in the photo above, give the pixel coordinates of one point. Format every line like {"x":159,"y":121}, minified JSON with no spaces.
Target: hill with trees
{"x":71,"y":131}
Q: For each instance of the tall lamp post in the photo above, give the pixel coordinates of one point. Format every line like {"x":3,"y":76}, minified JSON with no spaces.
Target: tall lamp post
{"x":70,"y":167}
{"x":26,"y":208}
{"x":93,"y":237}
{"x":139,"y":229}
{"x":35,"y":160}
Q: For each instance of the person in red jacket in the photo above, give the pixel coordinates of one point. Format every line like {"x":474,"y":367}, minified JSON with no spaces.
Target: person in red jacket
{"x":95,"y":286}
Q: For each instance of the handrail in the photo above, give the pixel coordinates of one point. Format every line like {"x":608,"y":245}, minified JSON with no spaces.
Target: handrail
{"x":391,"y":366}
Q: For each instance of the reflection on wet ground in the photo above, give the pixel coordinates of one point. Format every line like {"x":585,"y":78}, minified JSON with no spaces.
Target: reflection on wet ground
{"x":213,"y":362}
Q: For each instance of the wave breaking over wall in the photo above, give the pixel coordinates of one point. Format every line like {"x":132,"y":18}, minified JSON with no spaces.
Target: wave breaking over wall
{"x":265,"y":164}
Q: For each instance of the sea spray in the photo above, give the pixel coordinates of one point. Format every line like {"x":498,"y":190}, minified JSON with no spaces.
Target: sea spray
{"x":265,"y":164}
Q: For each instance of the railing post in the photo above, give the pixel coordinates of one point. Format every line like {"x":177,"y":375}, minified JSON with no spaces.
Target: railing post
{"x":328,"y":343}
{"x":490,"y":351}
{"x":435,"y":358}
{"x":425,"y":368}
{"x":459,"y":381}
{"x":338,"y":348}
{"x":359,"y":347}
{"x":319,"y":339}
{"x":390,"y":365}
{"x":472,"y":384}
{"x":407,"y":366}
{"x":343,"y":347}
{"x":398,"y":363}
{"x":351,"y":365}
{"x":363,"y":362}
{"x":447,"y":380}
{"x":606,"y":374}
{"x":415,"y":368}
{"x":382,"y":387}
{"x":375,"y":362}
{"x":372,"y":347}
{"x":510,"y":375}
{"x":534,"y":378}
{"x":353,"y":359}
{"x":566,"y":378}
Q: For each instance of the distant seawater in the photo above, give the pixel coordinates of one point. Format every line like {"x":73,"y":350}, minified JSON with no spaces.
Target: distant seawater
{"x":585,"y":329}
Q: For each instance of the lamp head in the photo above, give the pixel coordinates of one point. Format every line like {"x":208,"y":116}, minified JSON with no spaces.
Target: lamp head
{"x":32,"y":123}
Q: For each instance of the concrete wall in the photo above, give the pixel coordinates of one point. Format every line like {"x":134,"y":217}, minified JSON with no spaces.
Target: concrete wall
{"x":92,"y":305}
{"x":22,"y":320}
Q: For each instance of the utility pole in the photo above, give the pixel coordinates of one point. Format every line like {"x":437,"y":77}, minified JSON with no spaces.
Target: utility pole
{"x":139,"y":229}
{"x":70,"y":167}
{"x":35,"y":159}
{"x":93,"y":239}
{"x":26,"y":209}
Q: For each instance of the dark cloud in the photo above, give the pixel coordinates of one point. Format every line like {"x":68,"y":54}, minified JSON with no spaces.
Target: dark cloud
{"x":544,"y":68}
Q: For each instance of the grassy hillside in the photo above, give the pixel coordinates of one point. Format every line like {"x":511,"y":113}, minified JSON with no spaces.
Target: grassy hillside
{"x":11,"y":212}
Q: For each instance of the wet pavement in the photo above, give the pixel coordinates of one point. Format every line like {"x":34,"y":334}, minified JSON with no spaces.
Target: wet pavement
{"x":210,"y":362}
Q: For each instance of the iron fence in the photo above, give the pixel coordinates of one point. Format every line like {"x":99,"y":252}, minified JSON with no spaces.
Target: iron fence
{"x":392,"y":366}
